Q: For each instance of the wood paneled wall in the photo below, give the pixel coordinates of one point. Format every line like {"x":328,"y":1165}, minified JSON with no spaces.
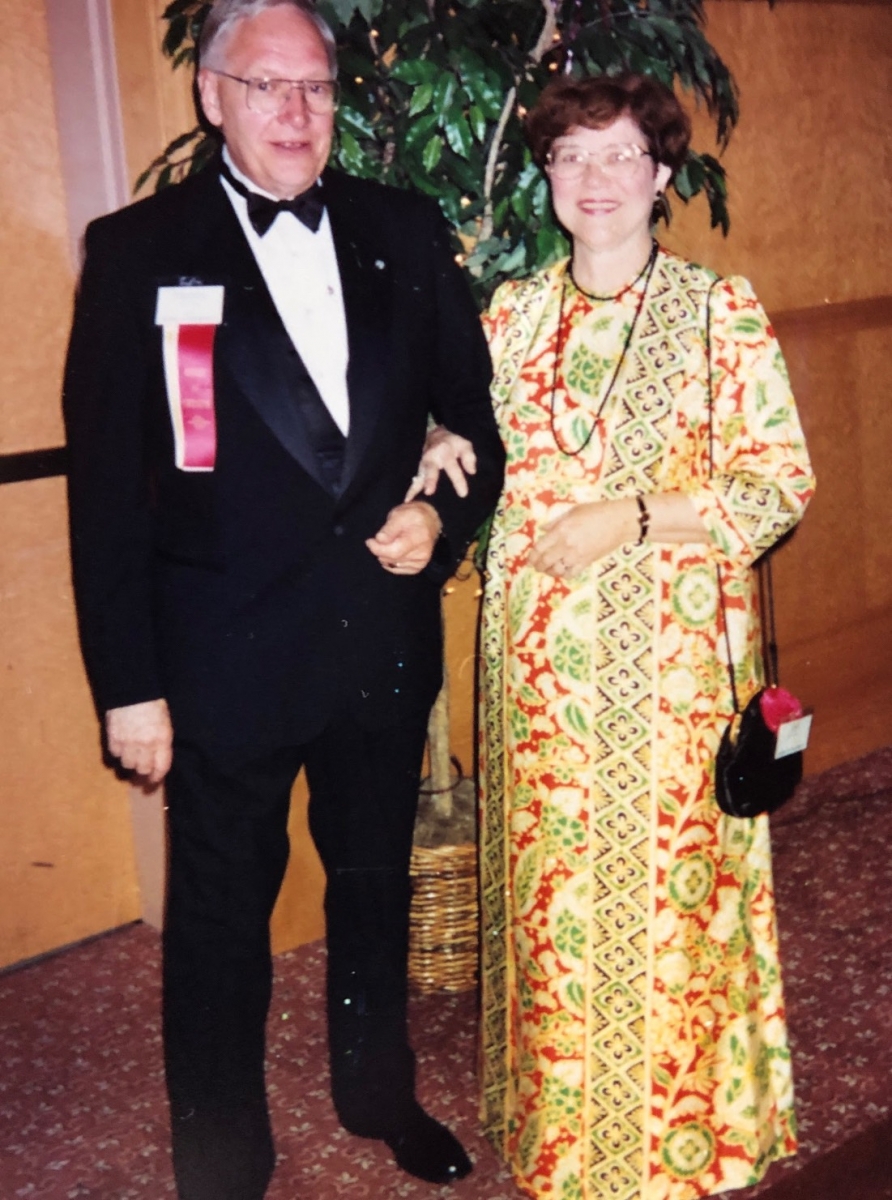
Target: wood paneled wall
{"x":810,"y":176}
{"x":66,"y":856}
{"x":811,"y":184}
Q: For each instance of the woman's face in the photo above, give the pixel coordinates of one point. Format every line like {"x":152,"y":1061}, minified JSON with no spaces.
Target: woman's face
{"x":603,"y":210}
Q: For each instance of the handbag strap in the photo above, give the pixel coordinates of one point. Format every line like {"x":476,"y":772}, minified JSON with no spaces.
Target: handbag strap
{"x":762,"y":567}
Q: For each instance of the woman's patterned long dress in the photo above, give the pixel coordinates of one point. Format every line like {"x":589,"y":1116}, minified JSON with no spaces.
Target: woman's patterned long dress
{"x":634,"y":1043}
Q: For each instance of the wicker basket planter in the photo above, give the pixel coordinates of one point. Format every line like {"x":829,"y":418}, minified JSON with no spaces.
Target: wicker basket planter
{"x":445,"y":916}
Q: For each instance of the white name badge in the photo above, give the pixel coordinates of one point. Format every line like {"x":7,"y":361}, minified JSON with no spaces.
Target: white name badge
{"x":201,"y":305}
{"x":792,"y":736}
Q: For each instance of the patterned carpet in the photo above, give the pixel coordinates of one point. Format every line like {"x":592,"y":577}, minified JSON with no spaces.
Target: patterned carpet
{"x":82,"y":1111}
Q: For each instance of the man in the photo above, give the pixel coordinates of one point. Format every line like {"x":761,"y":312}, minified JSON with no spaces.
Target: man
{"x":247,"y":398}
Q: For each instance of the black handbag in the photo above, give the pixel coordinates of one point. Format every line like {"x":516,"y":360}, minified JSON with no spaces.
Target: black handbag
{"x":749,"y":779}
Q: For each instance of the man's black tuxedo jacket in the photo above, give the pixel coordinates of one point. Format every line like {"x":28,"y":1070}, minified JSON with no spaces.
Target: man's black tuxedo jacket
{"x":245,"y":595}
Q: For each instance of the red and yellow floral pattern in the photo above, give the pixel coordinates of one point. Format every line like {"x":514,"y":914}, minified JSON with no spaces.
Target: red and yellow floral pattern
{"x":634,"y":1044}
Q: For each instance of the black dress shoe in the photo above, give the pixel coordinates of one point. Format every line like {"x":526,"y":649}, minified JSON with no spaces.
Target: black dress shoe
{"x":426,"y":1149}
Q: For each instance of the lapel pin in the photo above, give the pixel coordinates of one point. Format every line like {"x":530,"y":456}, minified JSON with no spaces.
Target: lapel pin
{"x":380,"y":264}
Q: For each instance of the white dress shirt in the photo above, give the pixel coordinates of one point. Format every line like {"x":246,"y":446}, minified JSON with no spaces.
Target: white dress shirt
{"x":300,"y":269}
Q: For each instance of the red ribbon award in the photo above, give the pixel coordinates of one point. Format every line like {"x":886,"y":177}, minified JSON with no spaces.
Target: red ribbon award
{"x":189,"y":317}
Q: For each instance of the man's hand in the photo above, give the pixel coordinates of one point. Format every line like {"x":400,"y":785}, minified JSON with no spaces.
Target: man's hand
{"x":444,"y":451}
{"x":141,"y":736}
{"x":405,"y":542}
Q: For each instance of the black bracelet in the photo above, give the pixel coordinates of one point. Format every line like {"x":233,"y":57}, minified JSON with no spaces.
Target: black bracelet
{"x":643,"y":520}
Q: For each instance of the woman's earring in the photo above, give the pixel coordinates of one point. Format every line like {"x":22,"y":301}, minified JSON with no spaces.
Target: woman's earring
{"x":661,"y":210}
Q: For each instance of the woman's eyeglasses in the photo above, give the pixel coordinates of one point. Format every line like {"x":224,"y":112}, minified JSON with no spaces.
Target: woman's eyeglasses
{"x":619,"y":162}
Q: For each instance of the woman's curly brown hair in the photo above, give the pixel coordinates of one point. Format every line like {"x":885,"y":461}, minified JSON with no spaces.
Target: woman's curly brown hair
{"x":598,"y":100}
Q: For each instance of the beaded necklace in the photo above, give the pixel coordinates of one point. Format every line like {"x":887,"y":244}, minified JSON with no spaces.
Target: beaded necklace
{"x":645,"y":273}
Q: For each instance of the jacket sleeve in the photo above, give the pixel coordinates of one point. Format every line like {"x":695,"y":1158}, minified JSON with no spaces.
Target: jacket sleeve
{"x":105,"y":387}
{"x":461,"y":400}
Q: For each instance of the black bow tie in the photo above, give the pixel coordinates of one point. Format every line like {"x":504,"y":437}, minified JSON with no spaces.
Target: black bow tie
{"x":308,"y":207}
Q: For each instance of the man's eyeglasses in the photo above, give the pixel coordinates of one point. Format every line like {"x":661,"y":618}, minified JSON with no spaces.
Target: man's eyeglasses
{"x":269,"y":96}
{"x":619,"y":162}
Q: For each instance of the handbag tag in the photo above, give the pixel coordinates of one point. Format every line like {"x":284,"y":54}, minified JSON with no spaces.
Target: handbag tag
{"x":792,"y":736}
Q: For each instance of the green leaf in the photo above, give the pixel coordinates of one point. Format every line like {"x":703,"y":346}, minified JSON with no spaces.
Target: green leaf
{"x":443,"y":95}
{"x":458,"y":133}
{"x":350,"y":118}
{"x":477,"y":121}
{"x":481,"y":84}
{"x":421,"y":98}
{"x":369,"y":8}
{"x":143,"y":178}
{"x":432,"y":152}
{"x":524,"y":190}
{"x":414,"y":71}
{"x":418,"y":132}
{"x":419,"y":178}
{"x":183,"y":140}
{"x":551,"y":244}
{"x":344,"y":10}
{"x":175,"y":8}
{"x":349,"y":153}
{"x":177,"y":30}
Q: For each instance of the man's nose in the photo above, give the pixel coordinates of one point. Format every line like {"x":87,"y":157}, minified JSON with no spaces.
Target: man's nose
{"x":295,"y":110}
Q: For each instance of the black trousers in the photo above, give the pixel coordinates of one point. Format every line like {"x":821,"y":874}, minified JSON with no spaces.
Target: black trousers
{"x":228,"y":853}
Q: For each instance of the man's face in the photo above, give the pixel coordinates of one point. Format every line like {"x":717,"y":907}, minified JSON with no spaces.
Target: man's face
{"x":283,"y":153}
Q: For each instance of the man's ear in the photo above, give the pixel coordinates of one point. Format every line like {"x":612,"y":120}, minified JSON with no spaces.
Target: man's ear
{"x":209,"y":91}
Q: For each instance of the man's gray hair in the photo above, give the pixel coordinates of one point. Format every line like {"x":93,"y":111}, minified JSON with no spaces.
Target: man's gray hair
{"x":224,"y":15}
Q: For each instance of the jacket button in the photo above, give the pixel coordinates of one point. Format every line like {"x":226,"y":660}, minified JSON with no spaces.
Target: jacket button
{"x":338,"y":530}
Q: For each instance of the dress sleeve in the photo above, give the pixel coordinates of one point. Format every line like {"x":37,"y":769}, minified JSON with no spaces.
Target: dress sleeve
{"x":761,"y":477}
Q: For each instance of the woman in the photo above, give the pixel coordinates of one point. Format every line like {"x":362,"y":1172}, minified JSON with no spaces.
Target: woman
{"x":633,"y":1029}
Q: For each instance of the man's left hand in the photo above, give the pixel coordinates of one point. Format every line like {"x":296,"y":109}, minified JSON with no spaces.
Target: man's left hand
{"x":405,"y":542}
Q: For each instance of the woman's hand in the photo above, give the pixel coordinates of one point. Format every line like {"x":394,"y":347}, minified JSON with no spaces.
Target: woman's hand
{"x":588,"y":532}
{"x":443,"y":451}
{"x":584,"y":534}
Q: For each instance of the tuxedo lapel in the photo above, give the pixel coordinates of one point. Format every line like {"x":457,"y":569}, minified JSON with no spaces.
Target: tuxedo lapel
{"x":366,"y":282}
{"x":253,"y":350}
